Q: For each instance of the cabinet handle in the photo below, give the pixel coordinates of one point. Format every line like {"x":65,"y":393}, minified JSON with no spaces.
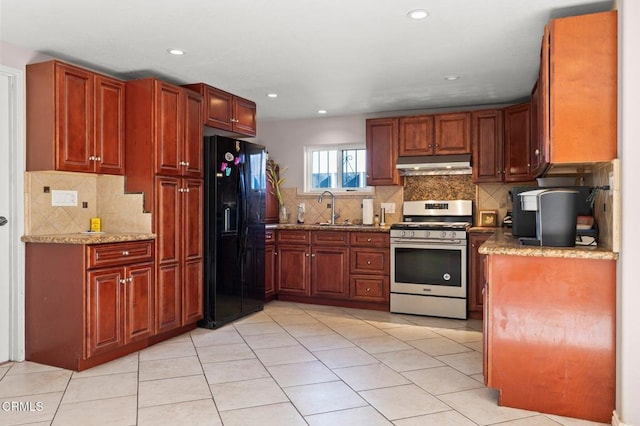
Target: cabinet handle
{"x":368,"y":240}
{"x":306,"y":254}
{"x":430,"y":146}
{"x":233,"y":120}
{"x":537,"y":152}
{"x":123,"y":281}
{"x":437,"y":145}
{"x":184,"y":163}
{"x":125,"y":253}
{"x":183,"y":189}
{"x":186,"y":190}
{"x":98,"y":158}
{"x":275,"y":253}
{"x":368,"y":289}
{"x":368,"y":262}
{"x":130,"y":280}
{"x":313,"y":255}
{"x":92,"y":158}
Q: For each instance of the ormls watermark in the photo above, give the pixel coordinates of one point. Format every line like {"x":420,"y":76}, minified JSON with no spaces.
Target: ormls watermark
{"x":22,"y":406}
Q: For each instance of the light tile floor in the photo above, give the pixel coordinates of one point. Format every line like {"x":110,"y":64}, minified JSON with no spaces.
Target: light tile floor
{"x":291,"y":364}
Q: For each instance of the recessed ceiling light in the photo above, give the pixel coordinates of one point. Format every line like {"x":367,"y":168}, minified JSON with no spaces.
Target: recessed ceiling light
{"x":176,"y":52}
{"x":322,"y":111}
{"x":452,"y":77}
{"x":272,"y":95}
{"x":418,"y":14}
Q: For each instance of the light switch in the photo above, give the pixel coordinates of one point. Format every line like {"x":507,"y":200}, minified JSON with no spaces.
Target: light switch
{"x":64,"y":198}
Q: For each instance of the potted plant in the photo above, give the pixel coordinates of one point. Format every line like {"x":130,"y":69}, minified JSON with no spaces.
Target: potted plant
{"x":273,"y":176}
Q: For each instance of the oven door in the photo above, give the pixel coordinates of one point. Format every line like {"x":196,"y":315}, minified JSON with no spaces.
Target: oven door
{"x":429,"y":268}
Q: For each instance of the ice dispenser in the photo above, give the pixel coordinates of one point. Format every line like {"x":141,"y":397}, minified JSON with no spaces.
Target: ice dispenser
{"x":556,"y":216}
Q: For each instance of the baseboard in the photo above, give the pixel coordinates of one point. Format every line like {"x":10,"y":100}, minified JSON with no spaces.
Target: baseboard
{"x":615,"y":420}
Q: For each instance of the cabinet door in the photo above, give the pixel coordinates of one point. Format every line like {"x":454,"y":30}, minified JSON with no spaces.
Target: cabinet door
{"x":476,"y":273}
{"x":416,"y":136}
{"x":168,"y":294}
{"x":453,"y":133}
{"x":192,"y":156}
{"x":244,"y":116}
{"x":167,"y":219}
{"x":382,"y":152}
{"x":330,"y":272}
{"x":104,"y":310}
{"x":540,"y":138}
{"x":139,"y":302}
{"x":192,"y":304}
{"x":168,"y":127}
{"x":192,"y":202}
{"x":293,"y":269}
{"x":218,"y":109}
{"x":517,"y":135}
{"x":109,"y":125}
{"x":269,"y":268}
{"x":487,"y":143}
{"x":74,"y":108}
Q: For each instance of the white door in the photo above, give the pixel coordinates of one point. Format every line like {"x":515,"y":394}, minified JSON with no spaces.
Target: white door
{"x":5,"y":241}
{"x":11,"y":214}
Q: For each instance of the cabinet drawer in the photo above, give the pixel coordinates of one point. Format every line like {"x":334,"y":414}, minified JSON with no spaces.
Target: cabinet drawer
{"x":369,"y":288}
{"x":369,"y":261}
{"x":370,"y":239}
{"x":330,"y":238}
{"x":269,"y":236}
{"x":100,"y":255}
{"x":293,"y":236}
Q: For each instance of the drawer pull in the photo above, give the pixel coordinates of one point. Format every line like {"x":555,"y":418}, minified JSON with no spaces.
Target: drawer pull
{"x":368,"y":262}
{"x":125,"y":253}
{"x":368,"y":240}
{"x":368,"y":289}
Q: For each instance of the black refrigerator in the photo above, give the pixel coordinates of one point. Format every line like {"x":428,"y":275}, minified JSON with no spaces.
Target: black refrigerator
{"x":234,"y":203}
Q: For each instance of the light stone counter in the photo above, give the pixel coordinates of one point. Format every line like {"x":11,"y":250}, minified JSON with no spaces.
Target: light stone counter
{"x":87,"y":238}
{"x":502,"y":242}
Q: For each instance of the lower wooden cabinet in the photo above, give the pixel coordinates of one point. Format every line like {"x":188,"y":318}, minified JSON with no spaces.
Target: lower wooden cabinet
{"x":269,"y":265}
{"x":89,"y":304}
{"x":476,"y":273}
{"x":332,"y":267}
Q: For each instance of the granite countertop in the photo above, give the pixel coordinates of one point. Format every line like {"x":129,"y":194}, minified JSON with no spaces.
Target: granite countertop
{"x":88,"y":238}
{"x":502,"y":242}
{"x":483,"y":229}
{"x":318,"y":227}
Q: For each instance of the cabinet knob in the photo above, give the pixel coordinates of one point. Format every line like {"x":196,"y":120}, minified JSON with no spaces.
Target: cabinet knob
{"x":98,"y":158}
{"x":313,"y":255}
{"x":275,"y":253}
{"x":233,"y":120}
{"x":537,"y":152}
{"x":130,"y":280}
{"x":306,"y":254}
{"x":123,"y":281}
{"x":368,"y":289}
{"x":368,"y":262}
{"x":437,"y":145}
{"x":125,"y":253}
{"x":92,"y":158}
{"x":184,"y":163}
{"x":368,"y":240}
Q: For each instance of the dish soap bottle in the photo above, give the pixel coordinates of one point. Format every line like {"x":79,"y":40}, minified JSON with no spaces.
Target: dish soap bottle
{"x":300,"y":213}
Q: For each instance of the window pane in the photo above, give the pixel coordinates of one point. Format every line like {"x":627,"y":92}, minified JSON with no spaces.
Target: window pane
{"x":353,"y":168}
{"x":336,"y":168}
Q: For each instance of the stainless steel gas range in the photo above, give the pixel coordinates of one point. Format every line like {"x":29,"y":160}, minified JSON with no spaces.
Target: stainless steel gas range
{"x":429,"y":258}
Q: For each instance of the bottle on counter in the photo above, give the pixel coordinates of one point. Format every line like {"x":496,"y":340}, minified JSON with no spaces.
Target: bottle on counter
{"x":300,"y":213}
{"x":376,"y":221}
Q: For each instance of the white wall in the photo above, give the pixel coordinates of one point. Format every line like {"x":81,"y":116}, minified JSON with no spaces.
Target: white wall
{"x":628,"y":348}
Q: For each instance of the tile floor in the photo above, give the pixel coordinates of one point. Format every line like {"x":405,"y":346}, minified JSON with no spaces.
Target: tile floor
{"x":291,"y":364}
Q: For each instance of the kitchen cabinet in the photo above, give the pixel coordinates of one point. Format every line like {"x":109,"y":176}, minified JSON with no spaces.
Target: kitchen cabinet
{"x":225,"y":111}
{"x":75,"y":119}
{"x":582,"y":108}
{"x":382,"y":152}
{"x":476,"y":273}
{"x":270,"y":265}
{"x":539,"y":152}
{"x":452,"y":133}
{"x":166,"y":165}
{"x":559,"y":325}
{"x":88,"y":304}
{"x":333,"y":267}
{"x":487,"y":131}
{"x":440,"y":134}
{"x":517,"y":142}
{"x":370,"y":264}
{"x":330,"y":264}
{"x":416,"y":136}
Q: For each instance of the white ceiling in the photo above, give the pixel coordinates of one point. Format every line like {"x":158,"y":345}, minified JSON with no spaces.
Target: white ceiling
{"x":345,"y":56}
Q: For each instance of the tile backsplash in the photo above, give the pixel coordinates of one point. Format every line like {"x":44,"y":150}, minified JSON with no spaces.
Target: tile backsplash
{"x":104,"y":197}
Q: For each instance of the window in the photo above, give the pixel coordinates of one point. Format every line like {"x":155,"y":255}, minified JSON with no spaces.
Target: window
{"x":335,"y":167}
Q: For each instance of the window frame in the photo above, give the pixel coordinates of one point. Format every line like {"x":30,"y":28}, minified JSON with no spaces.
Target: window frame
{"x":308,"y":169}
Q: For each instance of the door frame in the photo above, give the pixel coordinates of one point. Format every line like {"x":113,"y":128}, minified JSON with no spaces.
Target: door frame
{"x":16,"y":164}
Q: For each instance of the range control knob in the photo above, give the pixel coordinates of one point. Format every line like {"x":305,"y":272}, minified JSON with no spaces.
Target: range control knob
{"x":402,"y":233}
{"x":426,"y":234}
{"x":413,"y":233}
{"x":444,"y":234}
{"x":453,"y":235}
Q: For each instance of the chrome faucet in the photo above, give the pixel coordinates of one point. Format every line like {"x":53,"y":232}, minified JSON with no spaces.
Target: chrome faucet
{"x":333,"y":205}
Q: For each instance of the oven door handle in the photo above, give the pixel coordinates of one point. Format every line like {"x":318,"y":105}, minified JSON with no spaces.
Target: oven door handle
{"x":401,"y":242}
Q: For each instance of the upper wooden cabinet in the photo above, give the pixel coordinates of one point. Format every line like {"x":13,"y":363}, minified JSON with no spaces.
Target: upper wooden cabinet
{"x":487,"y":131}
{"x":517,"y":140}
{"x":583,"y":85}
{"x":75,"y":119}
{"x":416,"y":136}
{"x":225,"y":111}
{"x":440,"y":134}
{"x":382,"y":152}
{"x":452,"y":134}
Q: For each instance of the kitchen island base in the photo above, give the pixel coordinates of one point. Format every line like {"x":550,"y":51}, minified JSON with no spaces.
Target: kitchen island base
{"x":550,"y":334}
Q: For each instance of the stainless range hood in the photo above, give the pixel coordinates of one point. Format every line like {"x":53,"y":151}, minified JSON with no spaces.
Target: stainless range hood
{"x":434,"y":165}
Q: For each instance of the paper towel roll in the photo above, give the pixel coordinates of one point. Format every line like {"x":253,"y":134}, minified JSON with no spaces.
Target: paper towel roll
{"x":367,"y":211}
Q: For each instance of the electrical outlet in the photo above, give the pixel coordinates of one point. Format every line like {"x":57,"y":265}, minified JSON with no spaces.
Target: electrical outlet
{"x":388,"y":207}
{"x":64,"y":198}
